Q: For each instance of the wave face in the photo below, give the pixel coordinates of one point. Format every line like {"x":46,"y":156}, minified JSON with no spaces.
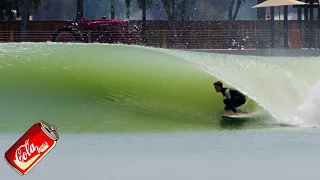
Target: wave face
{"x":98,"y":88}
{"x":285,"y":87}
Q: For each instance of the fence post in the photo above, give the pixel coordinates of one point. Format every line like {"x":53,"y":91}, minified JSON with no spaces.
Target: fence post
{"x":318,"y":38}
{"x":315,"y":36}
{"x":164,"y":39}
{"x":89,"y":36}
{"x":11,"y":35}
{"x":25,"y":13}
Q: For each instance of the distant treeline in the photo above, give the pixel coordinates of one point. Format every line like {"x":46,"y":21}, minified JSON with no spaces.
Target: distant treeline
{"x":125,"y":9}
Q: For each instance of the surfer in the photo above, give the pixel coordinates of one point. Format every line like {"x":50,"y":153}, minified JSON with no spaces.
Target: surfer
{"x":233,"y":97}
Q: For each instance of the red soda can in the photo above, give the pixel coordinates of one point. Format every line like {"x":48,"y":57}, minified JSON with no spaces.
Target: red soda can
{"x":31,"y":147}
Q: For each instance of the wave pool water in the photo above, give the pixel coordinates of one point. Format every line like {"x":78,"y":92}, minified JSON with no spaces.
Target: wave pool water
{"x":241,"y":155}
{"x":100,"y":88}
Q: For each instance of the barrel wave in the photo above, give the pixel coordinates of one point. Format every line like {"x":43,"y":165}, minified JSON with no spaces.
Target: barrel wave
{"x":112,"y":88}
{"x":99,"y":88}
{"x":285,"y":87}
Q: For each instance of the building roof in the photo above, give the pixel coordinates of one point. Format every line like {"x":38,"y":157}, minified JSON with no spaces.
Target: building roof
{"x":273,"y":3}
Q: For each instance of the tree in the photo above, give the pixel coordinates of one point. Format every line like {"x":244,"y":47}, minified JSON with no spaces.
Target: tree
{"x":169,"y":7}
{"x":177,"y":9}
{"x":143,"y":4}
{"x":79,"y":9}
{"x":6,"y":8}
{"x":128,"y":4}
{"x":34,"y":5}
{"x":48,"y":10}
{"x":182,"y":8}
{"x":234,"y":10}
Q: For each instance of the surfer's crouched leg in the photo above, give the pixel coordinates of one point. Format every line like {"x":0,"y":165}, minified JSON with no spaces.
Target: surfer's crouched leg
{"x":229,"y":105}
{"x":239,"y":101}
{"x":232,"y":104}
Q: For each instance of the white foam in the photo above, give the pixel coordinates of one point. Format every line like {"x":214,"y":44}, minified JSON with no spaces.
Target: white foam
{"x":308,"y":114}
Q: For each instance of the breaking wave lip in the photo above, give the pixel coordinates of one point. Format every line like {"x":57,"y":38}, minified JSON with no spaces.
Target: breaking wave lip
{"x":304,"y":116}
{"x":266,"y":113}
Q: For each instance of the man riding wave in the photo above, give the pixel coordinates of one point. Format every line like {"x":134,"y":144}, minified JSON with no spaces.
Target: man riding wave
{"x":233,"y":97}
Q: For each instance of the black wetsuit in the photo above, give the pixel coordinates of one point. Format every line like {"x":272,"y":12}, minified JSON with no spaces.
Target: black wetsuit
{"x":234,"y":99}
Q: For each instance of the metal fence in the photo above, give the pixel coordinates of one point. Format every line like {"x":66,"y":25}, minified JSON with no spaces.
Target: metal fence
{"x":185,"y":39}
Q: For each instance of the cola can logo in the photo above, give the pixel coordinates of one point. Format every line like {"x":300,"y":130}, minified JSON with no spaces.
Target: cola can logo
{"x":34,"y":145}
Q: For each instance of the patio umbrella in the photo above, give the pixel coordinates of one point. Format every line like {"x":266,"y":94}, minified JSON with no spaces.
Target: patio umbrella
{"x":272,"y":3}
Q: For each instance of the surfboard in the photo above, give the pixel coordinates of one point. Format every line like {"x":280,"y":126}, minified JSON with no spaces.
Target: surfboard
{"x":237,"y":115}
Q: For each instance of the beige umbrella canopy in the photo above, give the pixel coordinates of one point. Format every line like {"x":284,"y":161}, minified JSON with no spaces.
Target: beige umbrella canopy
{"x":272,"y":3}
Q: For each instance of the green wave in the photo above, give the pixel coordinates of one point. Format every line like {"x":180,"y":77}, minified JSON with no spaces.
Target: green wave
{"x":99,"y":88}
